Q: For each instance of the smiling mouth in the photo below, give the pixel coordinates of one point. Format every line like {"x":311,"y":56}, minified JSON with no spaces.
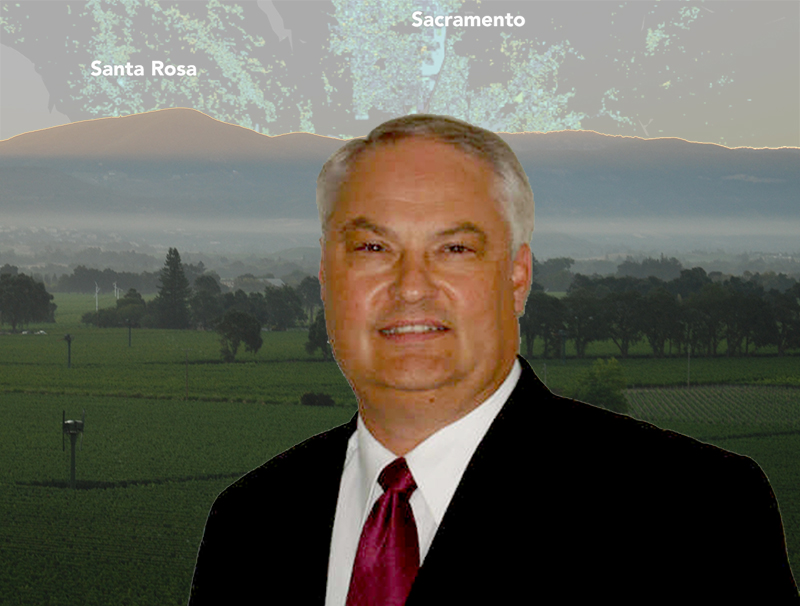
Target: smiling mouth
{"x":412,"y":329}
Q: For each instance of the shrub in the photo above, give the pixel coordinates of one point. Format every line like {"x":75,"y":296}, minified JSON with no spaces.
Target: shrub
{"x":603,"y":385}
{"x":316,"y":399}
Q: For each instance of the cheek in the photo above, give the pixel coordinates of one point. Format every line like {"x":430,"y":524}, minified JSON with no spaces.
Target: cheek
{"x":352,"y":302}
{"x":484,"y":304}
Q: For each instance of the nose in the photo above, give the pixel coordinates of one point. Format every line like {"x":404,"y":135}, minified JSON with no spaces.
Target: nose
{"x":413,"y":281}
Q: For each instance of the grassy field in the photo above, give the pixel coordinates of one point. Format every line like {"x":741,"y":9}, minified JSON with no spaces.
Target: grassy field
{"x":152,"y":462}
{"x":148,"y":471}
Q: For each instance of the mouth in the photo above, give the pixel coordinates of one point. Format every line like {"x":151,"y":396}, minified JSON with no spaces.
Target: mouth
{"x":413,"y":328}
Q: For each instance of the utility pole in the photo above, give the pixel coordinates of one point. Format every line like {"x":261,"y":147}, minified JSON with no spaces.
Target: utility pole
{"x":68,"y":339}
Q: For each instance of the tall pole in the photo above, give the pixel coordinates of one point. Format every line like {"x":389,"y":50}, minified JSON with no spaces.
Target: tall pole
{"x":73,"y":437}
{"x":68,"y":339}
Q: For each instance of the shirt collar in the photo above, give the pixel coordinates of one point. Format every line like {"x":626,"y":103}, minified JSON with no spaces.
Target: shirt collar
{"x":437,"y":463}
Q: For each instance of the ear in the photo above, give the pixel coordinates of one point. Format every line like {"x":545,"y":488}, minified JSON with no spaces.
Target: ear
{"x":521,"y":274}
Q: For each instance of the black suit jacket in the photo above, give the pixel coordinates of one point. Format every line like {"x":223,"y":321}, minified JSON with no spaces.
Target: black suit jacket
{"x":561,"y":500}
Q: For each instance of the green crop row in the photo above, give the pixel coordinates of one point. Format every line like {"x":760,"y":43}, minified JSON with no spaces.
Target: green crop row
{"x":147,"y":471}
{"x":166,"y":364}
{"x":712,"y":405}
{"x":157,"y":364}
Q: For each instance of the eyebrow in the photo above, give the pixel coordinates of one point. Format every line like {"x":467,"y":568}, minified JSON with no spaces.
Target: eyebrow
{"x":465,"y":227}
{"x":364,"y":223}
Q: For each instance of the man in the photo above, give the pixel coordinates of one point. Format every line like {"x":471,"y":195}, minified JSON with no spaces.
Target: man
{"x":509,"y":493}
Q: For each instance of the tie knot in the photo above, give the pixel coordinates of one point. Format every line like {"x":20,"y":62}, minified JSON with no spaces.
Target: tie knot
{"x":396,"y":477}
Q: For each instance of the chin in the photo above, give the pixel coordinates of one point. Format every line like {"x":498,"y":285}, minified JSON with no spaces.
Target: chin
{"x":416,"y":373}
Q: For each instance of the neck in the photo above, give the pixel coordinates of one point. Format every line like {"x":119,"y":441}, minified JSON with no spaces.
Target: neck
{"x":401,"y":420}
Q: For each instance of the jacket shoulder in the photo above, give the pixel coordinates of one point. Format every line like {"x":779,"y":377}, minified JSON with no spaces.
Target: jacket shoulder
{"x":273,"y":517}
{"x":572,"y":426}
{"x":303,"y":464}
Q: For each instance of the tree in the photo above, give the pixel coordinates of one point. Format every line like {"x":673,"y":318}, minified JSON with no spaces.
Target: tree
{"x":206,"y":302}
{"x":131,"y":308}
{"x":744,"y":307}
{"x":603,"y":385}
{"x":284,"y":307}
{"x":621,"y":310}
{"x":24,"y":300}
{"x":658,"y":315}
{"x":784,"y":310}
{"x":308,"y":291}
{"x":238,"y":327}
{"x":582,"y":317}
{"x":238,"y":300}
{"x":318,"y":336}
{"x":554,"y":274}
{"x":543,"y":318}
{"x":710,"y":304}
{"x":690,"y":281}
{"x":103,"y":318}
{"x":663,"y":268}
{"x":172,"y":302}
{"x":193,"y":271}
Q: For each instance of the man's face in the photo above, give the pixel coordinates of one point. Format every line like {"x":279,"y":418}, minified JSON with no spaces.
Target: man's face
{"x":419,"y":286}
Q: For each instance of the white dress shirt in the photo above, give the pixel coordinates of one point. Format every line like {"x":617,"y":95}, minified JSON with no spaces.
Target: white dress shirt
{"x":437,"y":465}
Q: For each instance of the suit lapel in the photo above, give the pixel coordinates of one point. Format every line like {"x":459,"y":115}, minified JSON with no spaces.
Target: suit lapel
{"x":479,"y":492}
{"x":310,"y":547}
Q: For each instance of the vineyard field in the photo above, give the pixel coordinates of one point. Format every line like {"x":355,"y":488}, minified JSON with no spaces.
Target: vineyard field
{"x":156,"y":364}
{"x":158,"y":448}
{"x":718,"y":405}
{"x":147,"y":473}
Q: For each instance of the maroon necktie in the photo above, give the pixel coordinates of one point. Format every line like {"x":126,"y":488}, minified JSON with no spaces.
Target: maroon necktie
{"x":387,"y":559}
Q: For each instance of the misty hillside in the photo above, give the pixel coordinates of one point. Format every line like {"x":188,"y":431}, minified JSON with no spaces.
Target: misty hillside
{"x":178,"y":169}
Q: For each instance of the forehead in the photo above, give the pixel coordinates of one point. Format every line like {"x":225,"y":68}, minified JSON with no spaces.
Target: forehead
{"x":419,"y":180}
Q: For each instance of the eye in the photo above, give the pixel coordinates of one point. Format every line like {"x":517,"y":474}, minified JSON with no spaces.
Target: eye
{"x":457,"y":248}
{"x":370,"y":247}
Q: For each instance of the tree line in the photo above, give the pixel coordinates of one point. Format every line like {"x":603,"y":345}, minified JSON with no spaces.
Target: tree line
{"x":237,"y":316}
{"x":84,"y":279}
{"x":692,"y":311}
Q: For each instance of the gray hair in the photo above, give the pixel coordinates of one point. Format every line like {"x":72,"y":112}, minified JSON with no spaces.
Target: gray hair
{"x":512,"y":188}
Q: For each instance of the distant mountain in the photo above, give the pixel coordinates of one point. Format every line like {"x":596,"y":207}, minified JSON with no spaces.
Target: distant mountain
{"x":177,"y":134}
{"x":180,"y":169}
{"x":588,"y":174}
